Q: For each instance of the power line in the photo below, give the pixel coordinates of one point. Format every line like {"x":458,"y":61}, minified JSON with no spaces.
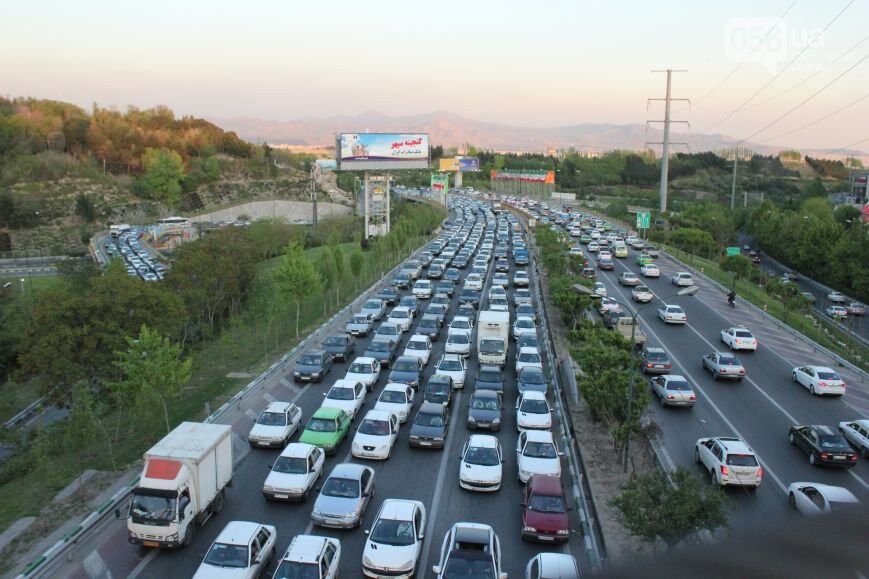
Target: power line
{"x":846,"y":147}
{"x":813,"y":123}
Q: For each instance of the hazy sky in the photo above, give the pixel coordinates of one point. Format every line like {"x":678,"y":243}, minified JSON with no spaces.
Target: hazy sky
{"x":539,"y":63}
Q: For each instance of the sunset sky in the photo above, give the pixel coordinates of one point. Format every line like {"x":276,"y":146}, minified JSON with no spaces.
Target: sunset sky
{"x":542,"y":63}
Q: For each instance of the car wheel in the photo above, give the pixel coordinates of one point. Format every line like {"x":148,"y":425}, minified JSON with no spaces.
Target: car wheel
{"x":188,"y":534}
{"x":714,"y":375}
{"x":791,"y":437}
{"x":812,"y":460}
{"x":663,"y":401}
{"x":219,"y":501}
{"x":712,"y":480}
{"x":792,"y":500}
{"x":812,"y":390}
{"x":696,"y":455}
{"x":794,"y":377}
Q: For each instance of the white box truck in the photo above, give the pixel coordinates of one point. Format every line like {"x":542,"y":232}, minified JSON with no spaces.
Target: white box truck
{"x":493,"y":331}
{"x":182,"y":484}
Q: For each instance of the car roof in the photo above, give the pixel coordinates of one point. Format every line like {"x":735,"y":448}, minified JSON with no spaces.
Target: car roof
{"x":476,"y":533}
{"x":396,"y":386}
{"x":483,"y":441}
{"x":823,"y":369}
{"x":364,"y":360}
{"x":655,"y":350}
{"x":539,"y":436}
{"x":543,"y":484}
{"x":485,"y":394}
{"x":327,"y":412}
{"x":831,"y":493}
{"x":377,"y":415}
{"x":534,"y":394}
{"x":431,"y":408}
{"x":398,"y":509}
{"x":452,"y":357}
{"x":278,"y":406}
{"x":348,"y":470}
{"x":237,"y":533}
{"x":418,"y":338}
{"x":529,"y":350}
{"x":735,"y":445}
{"x":296,"y":449}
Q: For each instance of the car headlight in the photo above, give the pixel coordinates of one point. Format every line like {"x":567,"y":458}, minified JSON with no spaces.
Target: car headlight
{"x":529,"y":529}
{"x":268,"y":488}
{"x":438,"y":438}
{"x":328,"y":446}
{"x":172,"y":537}
{"x":316,"y":512}
{"x":367,"y":562}
{"x":562,"y":532}
{"x":472,"y":419}
{"x":496,"y":421}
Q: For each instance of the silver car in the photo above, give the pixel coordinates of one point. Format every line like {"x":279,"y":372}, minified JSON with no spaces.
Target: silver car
{"x":673,"y":390}
{"x":344,"y":496}
{"x":723,"y":365}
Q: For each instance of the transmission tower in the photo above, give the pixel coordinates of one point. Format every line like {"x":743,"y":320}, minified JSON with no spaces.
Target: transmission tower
{"x":665,"y":153}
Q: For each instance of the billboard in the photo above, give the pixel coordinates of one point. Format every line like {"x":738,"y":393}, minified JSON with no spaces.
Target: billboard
{"x":439,"y":183}
{"x":362,"y":151}
{"x":451,"y":164}
{"x":469,"y":164}
{"x":523,"y":176}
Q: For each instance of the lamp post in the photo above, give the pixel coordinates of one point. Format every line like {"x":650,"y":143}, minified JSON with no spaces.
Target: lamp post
{"x":688,"y":291}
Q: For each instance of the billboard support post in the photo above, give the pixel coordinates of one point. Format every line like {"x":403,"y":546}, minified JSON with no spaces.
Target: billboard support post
{"x":458,"y":184}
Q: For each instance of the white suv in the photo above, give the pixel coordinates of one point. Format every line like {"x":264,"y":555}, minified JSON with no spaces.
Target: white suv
{"x":307,"y":551}
{"x":682,"y":278}
{"x":729,"y":462}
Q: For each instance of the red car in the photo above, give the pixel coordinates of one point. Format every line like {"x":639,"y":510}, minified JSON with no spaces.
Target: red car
{"x":544,"y":510}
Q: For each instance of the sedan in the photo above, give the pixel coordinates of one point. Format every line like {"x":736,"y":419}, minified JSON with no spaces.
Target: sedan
{"x":437,"y":311}
{"x":344,"y":496}
{"x":294,"y":473}
{"x":359,"y":325}
{"x":837,"y":297}
{"x":397,"y":399}
{"x":739,"y":338}
{"x":306,"y":551}
{"x":484,"y":410}
{"x":523,"y":326}
{"x":452,"y":365}
{"x":389,"y":331}
{"x":856,"y":309}
{"x":629,"y":279}
{"x":526,"y":311}
{"x":480,"y":466}
{"x":599,"y":290}
{"x":537,"y":453}
{"x":723,"y":365}
{"x":275,"y":425}
{"x":857,"y":433}
{"x":533,"y":412}
{"x":381,"y":350}
{"x":346,"y":395}
{"x":836,"y":311}
{"x":438,"y":389}
{"x":671,"y":314}
{"x":430,"y":426}
{"x":401,"y":317}
{"x":374,"y":308}
{"x":650,"y":270}
{"x":458,"y":343}
{"x":339,"y":347}
{"x":419,"y":346}
{"x":365,"y":370}
{"x":548,"y":565}
{"x":812,"y":499}
{"x":673,"y":390}
{"x":520,"y":279}
{"x":407,"y":370}
{"x":394,"y":541}
{"x":241,"y":550}
{"x":642,"y":294}
{"x":682,"y":278}
{"x":819,"y":380}
{"x":532,"y":378}
{"x":470,"y":550}
{"x":429,"y":326}
{"x":376,"y":435}
{"x":824,"y":445}
{"x":545,"y":510}
{"x":389,"y":294}
{"x":312,"y":367}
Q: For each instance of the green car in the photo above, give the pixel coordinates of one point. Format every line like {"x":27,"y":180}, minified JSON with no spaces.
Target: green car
{"x":607,"y":226}
{"x":644,"y":258}
{"x":327,"y":429}
{"x":585,"y":239}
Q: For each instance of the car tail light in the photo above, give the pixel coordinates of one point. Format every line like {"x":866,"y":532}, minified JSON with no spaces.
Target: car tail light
{"x":723,"y":470}
{"x":759,"y":472}
{"x":692,"y":397}
{"x":822,"y":384}
{"x":649,"y":365}
{"x":853,"y":458}
{"x":824,"y":456}
{"x":670,"y":397}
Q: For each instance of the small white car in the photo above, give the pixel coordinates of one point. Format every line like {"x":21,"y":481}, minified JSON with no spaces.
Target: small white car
{"x":673,"y":390}
{"x":320,"y":555}
{"x":528,"y":356}
{"x":532,"y":411}
{"x":857,"y":433}
{"x":593,"y":246}
{"x":812,"y":499}
{"x":837,"y":297}
{"x":537,"y":453}
{"x":729,"y":461}
{"x":497,"y":291}
{"x":575,"y":251}
{"x":739,"y":338}
{"x":346,"y":395}
{"x":521,"y":279}
{"x":275,"y":425}
{"x":642,"y":294}
{"x":419,"y":346}
{"x":394,"y":541}
{"x":608,"y":305}
{"x":599,"y":289}
{"x":396,"y":398}
{"x":375,"y":308}
{"x":682,"y":279}
{"x":294,"y":472}
{"x":422,"y":289}
{"x":365,"y":370}
{"x":819,"y":380}
{"x":549,"y":565}
{"x":480,"y":467}
{"x":500,"y":279}
{"x":522,"y":326}
{"x":376,"y":435}
{"x":452,"y":365}
{"x":460,"y":324}
{"x":401,"y":316}
{"x":242,"y":549}
{"x":458,"y":343}
{"x":474,"y":281}
{"x":650,"y":270}
{"x":672,"y":314}
{"x":837,"y":311}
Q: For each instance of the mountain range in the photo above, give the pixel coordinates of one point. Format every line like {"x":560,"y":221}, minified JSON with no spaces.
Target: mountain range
{"x":451,"y":130}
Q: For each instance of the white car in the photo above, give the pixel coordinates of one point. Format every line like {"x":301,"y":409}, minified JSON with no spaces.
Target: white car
{"x":365,"y":370}
{"x":275,"y":425}
{"x":550,"y":565}
{"x":729,"y":462}
{"x":474,"y":281}
{"x":376,"y":435}
{"x":294,"y":472}
{"x":532,"y":411}
{"x":537,"y":453}
{"x":837,"y":297}
{"x":346,"y":395}
{"x":396,"y":398}
{"x":321,"y":555}
{"x":819,"y":380}
{"x":522,"y":326}
{"x":604,"y":254}
{"x":499,"y":304}
{"x":242,"y":550}
{"x":375,"y":308}
{"x":812,"y":499}
{"x":672,"y":314}
{"x":458,"y":343}
{"x":575,"y":251}
{"x":857,"y":433}
{"x":452,"y":365}
{"x":497,"y":291}
{"x":521,"y":279}
{"x":419,"y":346}
{"x":500,"y":279}
{"x":460,"y":324}
{"x":837,"y":311}
{"x":528,"y":356}
{"x":642,"y":294}
{"x":470,"y":550}
{"x":739,"y":338}
{"x":599,"y":289}
{"x":682,"y":278}
{"x":394,"y":541}
{"x":422,"y":289}
{"x":650,"y":270}
{"x":608,"y":305}
{"x":593,"y":246}
{"x":480,"y":468}
{"x":401,"y":316}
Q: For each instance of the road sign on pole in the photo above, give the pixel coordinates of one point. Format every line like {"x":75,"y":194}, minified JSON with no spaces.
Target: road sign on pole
{"x":643,"y":219}
{"x":733,"y":251}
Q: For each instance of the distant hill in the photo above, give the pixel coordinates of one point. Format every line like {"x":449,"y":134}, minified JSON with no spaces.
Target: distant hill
{"x":451,"y":130}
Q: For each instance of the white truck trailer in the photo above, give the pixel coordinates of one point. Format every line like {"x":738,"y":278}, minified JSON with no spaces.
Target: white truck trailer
{"x":182,"y":484}
{"x":493,"y":332}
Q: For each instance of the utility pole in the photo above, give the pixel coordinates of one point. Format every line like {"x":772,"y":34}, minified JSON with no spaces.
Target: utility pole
{"x":665,"y":153}
{"x":733,"y":181}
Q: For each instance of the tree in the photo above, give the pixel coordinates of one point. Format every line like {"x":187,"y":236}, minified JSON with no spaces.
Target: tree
{"x":652,"y":509}
{"x":327,"y":279}
{"x":164,"y":170}
{"x":8,"y":216}
{"x":152,"y":372}
{"x":84,"y":208}
{"x":340,"y":269}
{"x":296,"y":277}
{"x":357,"y":262}
{"x":846,"y":215}
{"x":816,"y":188}
{"x":739,"y":265}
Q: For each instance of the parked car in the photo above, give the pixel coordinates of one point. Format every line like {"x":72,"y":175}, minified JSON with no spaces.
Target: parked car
{"x":339,"y":347}
{"x":824,"y":445}
{"x":484,"y":410}
{"x":307,"y":551}
{"x":724,"y":365}
{"x":242,"y":549}
{"x":819,"y":380}
{"x":545,"y":510}
{"x":292,"y":476}
{"x":729,"y":461}
{"x":395,"y":539}
{"x":430,"y":426}
{"x":344,"y":496}
{"x":312,"y":366}
{"x":673,"y":390}
{"x":480,"y":464}
{"x":376,"y":435}
{"x":275,"y":425}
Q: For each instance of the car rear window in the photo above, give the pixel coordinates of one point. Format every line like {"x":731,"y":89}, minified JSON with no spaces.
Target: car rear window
{"x":833,"y":441}
{"x":743,"y":334}
{"x":741,"y":460}
{"x":728,"y":361}
{"x":657,"y":356}
{"x":678,"y":385}
{"x":828,"y":376}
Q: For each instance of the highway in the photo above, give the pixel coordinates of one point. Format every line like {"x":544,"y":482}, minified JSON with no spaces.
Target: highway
{"x":427,"y":475}
{"x":760,"y":409}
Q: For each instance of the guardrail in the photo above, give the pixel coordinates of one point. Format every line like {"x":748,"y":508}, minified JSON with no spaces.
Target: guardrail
{"x":41,"y":566}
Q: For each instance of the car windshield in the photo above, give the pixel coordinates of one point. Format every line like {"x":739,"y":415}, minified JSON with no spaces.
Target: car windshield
{"x":834,"y":441}
{"x":728,"y":361}
{"x":534,"y":406}
{"x":680,"y":385}
{"x":460,"y":325}
{"x":321,"y":425}
{"x":223,"y":555}
{"x":151,"y":508}
{"x":377,"y":346}
{"x":642,"y":289}
{"x":358,"y":368}
{"x":426,"y":419}
{"x":546,"y":504}
{"x":741,"y":460}
{"x":372,"y":305}
{"x":389,"y":330}
{"x":408,"y":302}
{"x":346,"y":488}
{"x":272,"y":419}
{"x":341,"y":393}
{"x":674,"y":309}
{"x":450,"y":366}
{"x":406,"y":365}
{"x":529,"y":357}
{"x":482,"y":456}
{"x":297,"y":570}
{"x":531,"y":377}
{"x":393,"y":397}
{"x":828,"y":376}
{"x":471,"y":565}
{"x":540,"y":450}
{"x":428,"y":323}
{"x":359,"y":320}
{"x":438,"y":388}
{"x":417,"y":345}
{"x":459,"y":338}
{"x":391,"y":532}
{"x":374,"y":427}
{"x":291,"y":465}
{"x":309,"y":360}
{"x":480,"y":403}
{"x":400,"y":314}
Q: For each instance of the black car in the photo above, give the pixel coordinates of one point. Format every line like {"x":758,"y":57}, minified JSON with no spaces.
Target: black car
{"x":824,"y":445}
{"x":429,"y":326}
{"x":410,"y":302}
{"x":438,"y":311}
{"x":407,"y":370}
{"x":470,"y":296}
{"x":489,"y":377}
{"x":401,"y":280}
{"x":389,"y":294}
{"x":436,"y":272}
{"x":381,"y":350}
{"x":439,"y":390}
{"x":453,"y":274}
{"x":611,"y":318}
{"x":445,"y":287}
{"x":484,"y":410}
{"x":429,"y":428}
{"x":655,"y":361}
{"x":339,"y":347}
{"x":312,"y":366}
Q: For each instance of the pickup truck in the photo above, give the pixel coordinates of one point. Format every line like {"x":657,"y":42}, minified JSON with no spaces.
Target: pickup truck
{"x":624,"y":326}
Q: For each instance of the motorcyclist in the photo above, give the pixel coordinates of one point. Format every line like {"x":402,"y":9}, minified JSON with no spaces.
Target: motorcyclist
{"x":731,"y":298}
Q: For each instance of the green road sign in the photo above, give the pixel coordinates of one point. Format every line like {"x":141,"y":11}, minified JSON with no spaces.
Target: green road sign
{"x":643,"y":220}
{"x":733,"y":251}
